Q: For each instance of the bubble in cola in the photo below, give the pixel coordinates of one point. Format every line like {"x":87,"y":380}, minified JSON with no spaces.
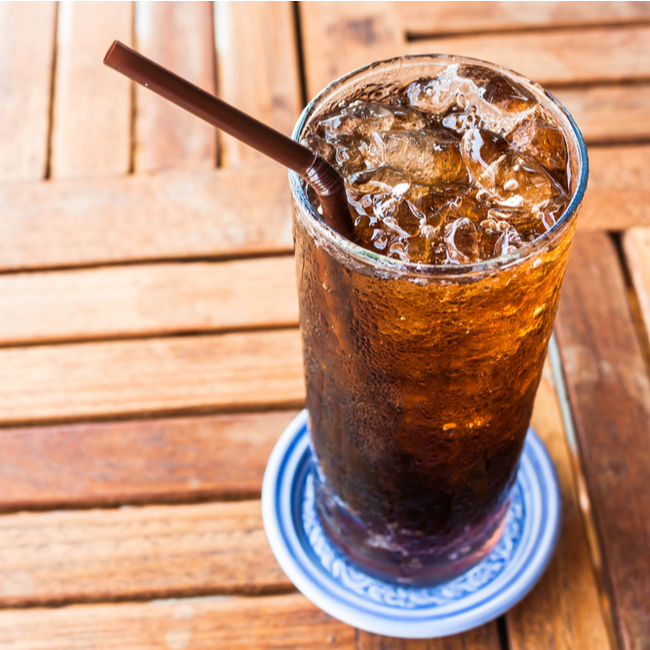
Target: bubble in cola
{"x":421,"y":382}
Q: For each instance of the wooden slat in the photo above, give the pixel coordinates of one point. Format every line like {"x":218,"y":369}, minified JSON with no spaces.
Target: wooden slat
{"x":229,"y":212}
{"x":448,"y":17}
{"x":618,"y":195}
{"x":636,"y":243}
{"x":161,"y":376}
{"x":288,"y":622}
{"x":92,"y":103}
{"x":156,"y":459}
{"x":563,"y":611}
{"x":179,"y":36}
{"x":485,"y":637}
{"x":149,"y":299}
{"x":609,"y":390}
{"x":609,"y":114}
{"x":339,"y":37}
{"x":221,"y":456}
{"x":258,"y":67}
{"x":139,"y":552}
{"x":563,"y":57}
{"x":26,"y":51}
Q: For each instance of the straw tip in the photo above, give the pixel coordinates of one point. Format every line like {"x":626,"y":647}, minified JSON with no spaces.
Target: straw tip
{"x":111,"y":50}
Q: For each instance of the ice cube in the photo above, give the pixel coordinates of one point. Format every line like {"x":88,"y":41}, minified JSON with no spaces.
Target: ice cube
{"x":461,"y":121}
{"x":320,"y":146}
{"x":439,"y":94}
{"x":426,"y":156}
{"x":504,"y":176}
{"x":378,"y":181}
{"x":475,"y":96}
{"x":419,"y":249}
{"x":550,"y":214}
{"x":528,"y":225}
{"x":461,"y":239}
{"x":425,"y":201}
{"x":379,"y":239}
{"x":509,"y":241}
{"x":500,"y":103}
{"x":397,"y":250}
{"x":361,"y":118}
{"x":465,"y":205}
{"x":544,"y":142}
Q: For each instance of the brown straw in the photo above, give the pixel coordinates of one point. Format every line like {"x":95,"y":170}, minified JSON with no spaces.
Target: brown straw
{"x":325,"y":180}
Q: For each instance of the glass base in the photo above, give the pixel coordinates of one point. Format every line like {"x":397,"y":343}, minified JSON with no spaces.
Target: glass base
{"x":386,"y":556}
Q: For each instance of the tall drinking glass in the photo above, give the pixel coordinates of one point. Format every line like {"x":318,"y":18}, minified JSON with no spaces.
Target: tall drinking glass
{"x":421,"y":378}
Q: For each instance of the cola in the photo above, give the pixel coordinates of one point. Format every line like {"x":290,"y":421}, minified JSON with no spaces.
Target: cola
{"x":425,"y":337}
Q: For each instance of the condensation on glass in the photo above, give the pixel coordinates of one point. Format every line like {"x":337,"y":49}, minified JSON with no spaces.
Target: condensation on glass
{"x":420,"y":377}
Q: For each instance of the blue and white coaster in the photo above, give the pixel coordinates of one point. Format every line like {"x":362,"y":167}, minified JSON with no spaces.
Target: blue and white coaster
{"x":326,"y":577}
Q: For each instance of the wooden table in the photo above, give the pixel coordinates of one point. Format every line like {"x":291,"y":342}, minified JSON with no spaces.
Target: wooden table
{"x":150,"y":355}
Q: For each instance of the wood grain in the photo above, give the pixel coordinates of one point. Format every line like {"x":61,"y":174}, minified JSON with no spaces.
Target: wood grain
{"x":222,"y":456}
{"x":609,"y":114}
{"x":137,"y":552}
{"x":288,"y":622}
{"x":91,"y":134}
{"x":258,"y":68}
{"x":178,"y":36}
{"x":147,"y":300}
{"x":228,"y":212}
{"x":636,"y":243}
{"x":618,"y":195}
{"x":609,"y":390}
{"x":339,"y":37}
{"x":101,"y":463}
{"x":563,"y":610}
{"x":152,"y":376}
{"x":220,"y":213}
{"x":448,"y":17}
{"x":26,"y":51}
{"x":593,"y":55}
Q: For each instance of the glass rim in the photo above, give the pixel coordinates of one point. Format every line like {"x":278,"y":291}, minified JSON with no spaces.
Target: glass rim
{"x":386,"y":263}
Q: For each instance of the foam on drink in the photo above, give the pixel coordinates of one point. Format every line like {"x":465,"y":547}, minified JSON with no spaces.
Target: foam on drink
{"x":455,"y":169}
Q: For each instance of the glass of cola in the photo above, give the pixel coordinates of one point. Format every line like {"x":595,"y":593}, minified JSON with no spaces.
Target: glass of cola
{"x":424,"y":339}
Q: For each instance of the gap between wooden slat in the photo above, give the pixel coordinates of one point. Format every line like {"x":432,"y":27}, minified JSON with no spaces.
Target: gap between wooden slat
{"x":300,"y":55}
{"x":579,"y":481}
{"x":564,"y":605}
{"x":133,"y":105}
{"x":50,"y":109}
